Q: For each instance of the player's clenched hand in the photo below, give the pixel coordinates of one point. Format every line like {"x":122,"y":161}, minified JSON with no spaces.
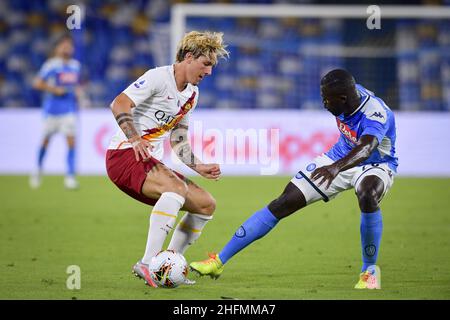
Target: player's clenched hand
{"x":209,"y":171}
{"x":142,"y":148}
{"x":325,"y":174}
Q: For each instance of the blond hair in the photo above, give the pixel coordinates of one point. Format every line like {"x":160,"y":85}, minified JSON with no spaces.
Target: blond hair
{"x":209,"y":44}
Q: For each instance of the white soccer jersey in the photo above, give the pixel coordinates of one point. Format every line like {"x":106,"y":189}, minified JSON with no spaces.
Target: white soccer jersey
{"x":159,"y":108}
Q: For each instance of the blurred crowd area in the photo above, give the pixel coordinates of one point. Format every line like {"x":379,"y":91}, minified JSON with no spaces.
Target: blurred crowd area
{"x":274,"y":63}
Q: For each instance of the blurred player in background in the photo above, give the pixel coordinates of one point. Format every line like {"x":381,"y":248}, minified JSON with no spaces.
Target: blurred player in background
{"x":363,"y":159}
{"x":59,"y":79}
{"x":150,"y":110}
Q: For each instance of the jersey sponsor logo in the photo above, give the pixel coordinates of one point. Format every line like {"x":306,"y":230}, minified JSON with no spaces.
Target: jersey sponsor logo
{"x":139,"y":84}
{"x":346,"y":131}
{"x":163,"y":117}
{"x":298,"y":176}
{"x":67,"y":77}
{"x":311,"y":167}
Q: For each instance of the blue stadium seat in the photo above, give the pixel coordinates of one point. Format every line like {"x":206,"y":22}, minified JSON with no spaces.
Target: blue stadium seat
{"x":287,"y":52}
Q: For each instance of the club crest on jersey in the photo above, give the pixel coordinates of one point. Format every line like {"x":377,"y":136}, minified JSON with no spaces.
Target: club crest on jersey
{"x":139,"y":84}
{"x":347,"y":132}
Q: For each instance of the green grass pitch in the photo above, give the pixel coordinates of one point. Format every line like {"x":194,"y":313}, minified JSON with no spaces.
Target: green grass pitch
{"x":314,"y":254}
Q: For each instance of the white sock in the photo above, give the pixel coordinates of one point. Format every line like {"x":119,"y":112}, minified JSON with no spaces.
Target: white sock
{"x":162,"y":220}
{"x":187,"y":231}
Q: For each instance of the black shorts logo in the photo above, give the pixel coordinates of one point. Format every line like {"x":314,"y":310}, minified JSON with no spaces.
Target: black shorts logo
{"x":240,"y":233}
{"x":370,"y":250}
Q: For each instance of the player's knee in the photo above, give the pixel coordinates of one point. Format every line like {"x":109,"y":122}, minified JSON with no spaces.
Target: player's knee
{"x":368,"y":200}
{"x":277,"y":209}
{"x":208,"y":206}
{"x":290,"y":201}
{"x":282,"y":207}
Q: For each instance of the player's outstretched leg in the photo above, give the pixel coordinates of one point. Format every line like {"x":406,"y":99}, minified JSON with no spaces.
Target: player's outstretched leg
{"x":370,"y":192}
{"x":256,"y":227}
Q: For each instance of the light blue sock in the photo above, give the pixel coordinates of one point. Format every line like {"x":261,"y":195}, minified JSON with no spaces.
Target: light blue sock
{"x":371,"y":230}
{"x":71,"y":162}
{"x":41,"y":155}
{"x":257,"y":226}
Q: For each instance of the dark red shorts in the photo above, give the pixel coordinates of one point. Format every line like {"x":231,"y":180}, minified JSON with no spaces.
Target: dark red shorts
{"x":128,"y":174}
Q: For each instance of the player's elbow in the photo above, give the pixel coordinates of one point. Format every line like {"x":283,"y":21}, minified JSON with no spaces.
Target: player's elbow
{"x":121,"y":104}
{"x":366,"y":151}
{"x":113,"y":104}
{"x":364,"y":156}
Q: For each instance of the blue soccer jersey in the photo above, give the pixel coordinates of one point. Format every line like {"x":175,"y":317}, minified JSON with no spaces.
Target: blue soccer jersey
{"x":372,"y":117}
{"x":59,"y":73}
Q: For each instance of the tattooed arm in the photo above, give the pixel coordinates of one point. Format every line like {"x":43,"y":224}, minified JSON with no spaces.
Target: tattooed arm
{"x":121,"y":109}
{"x":182,"y":148}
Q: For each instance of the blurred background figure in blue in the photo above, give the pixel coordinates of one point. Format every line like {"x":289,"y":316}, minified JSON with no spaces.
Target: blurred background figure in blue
{"x":58,"y":79}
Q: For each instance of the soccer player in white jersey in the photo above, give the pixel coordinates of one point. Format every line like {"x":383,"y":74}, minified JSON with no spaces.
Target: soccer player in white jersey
{"x":59,"y":79}
{"x":155,"y":107}
{"x":364,"y":158}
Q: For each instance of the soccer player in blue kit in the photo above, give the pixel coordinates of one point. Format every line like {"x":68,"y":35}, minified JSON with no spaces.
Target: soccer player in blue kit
{"x":363,"y":159}
{"x":59,"y":79}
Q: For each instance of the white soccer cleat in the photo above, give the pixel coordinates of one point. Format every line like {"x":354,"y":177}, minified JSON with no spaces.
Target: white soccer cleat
{"x":141,"y":271}
{"x":70,"y":183}
{"x":35,"y":181}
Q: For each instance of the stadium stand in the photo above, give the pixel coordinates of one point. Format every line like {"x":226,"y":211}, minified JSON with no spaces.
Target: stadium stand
{"x":275,"y":63}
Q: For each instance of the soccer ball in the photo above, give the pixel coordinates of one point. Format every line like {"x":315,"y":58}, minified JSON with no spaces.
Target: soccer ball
{"x":168,"y":269}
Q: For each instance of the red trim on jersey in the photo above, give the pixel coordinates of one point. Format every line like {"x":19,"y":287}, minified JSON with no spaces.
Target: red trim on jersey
{"x":159,"y":131}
